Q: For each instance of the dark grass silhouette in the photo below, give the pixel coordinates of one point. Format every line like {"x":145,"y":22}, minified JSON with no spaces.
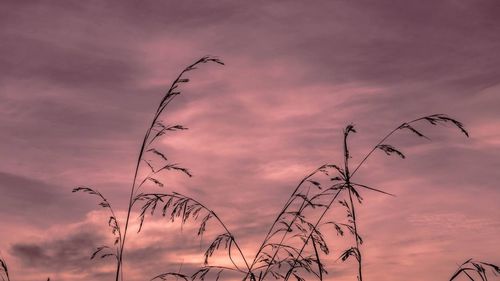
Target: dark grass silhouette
{"x":156,"y":129}
{"x":474,"y":269}
{"x":295,"y":244}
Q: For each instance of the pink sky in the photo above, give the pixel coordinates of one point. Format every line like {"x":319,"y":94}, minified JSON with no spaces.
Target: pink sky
{"x":81,"y":80}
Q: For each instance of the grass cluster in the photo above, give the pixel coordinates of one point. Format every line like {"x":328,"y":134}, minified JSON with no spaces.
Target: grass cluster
{"x":295,"y":245}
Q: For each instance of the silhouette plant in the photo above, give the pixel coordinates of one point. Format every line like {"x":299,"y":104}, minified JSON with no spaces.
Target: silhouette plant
{"x":294,"y":245}
{"x":156,"y":129}
{"x":290,"y":248}
{"x":471,"y":269}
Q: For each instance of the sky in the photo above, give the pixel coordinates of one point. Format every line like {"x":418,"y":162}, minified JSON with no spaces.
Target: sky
{"x":81,"y":80}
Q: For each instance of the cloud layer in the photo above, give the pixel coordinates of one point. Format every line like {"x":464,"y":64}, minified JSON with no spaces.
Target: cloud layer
{"x":80,"y":80}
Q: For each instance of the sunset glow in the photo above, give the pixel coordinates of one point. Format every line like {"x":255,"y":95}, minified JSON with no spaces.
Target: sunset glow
{"x":81,"y":81}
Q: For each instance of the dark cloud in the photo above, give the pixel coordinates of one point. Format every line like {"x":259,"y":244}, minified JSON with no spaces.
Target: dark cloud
{"x":33,"y":201}
{"x":71,"y":253}
{"x":61,"y":256}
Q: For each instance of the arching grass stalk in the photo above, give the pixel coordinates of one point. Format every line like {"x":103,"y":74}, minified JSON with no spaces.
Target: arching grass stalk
{"x":176,"y":205}
{"x":279,"y":219}
{"x":355,"y":251}
{"x":435,"y":119}
{"x":155,"y":130}
{"x":149,"y":137}
{"x":345,"y":176}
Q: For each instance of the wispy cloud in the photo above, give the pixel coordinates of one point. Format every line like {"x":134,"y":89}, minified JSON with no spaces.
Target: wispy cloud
{"x":80,"y":79}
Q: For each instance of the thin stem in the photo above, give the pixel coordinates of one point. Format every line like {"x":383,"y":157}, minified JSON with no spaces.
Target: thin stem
{"x":131,"y":199}
{"x":383,"y":140}
{"x":373,"y":150}
{"x":320,"y":268}
{"x":234,"y":241}
{"x":470,"y":277}
{"x":287,"y":204}
{"x":301,"y":208}
{"x":349,"y":186}
{"x":169,"y":96}
{"x":359,"y":258}
{"x":310,"y":234}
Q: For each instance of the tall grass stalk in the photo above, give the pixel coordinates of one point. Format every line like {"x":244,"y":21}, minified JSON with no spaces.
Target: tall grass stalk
{"x":155,"y":130}
{"x":472,"y":269}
